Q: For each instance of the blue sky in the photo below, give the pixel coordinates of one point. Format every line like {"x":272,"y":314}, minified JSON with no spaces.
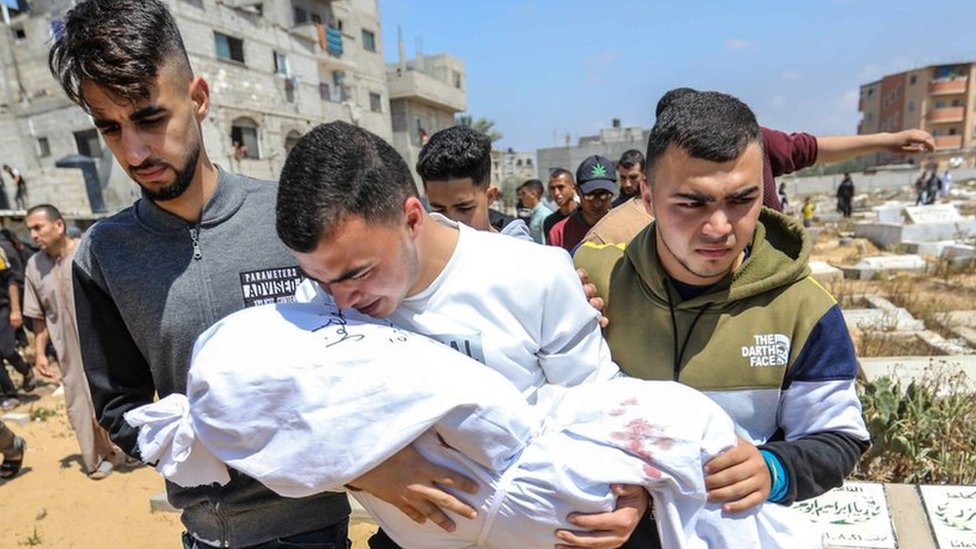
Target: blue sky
{"x":542,"y":69}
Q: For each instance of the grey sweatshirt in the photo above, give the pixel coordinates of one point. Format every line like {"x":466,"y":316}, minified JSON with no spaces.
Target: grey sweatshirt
{"x":147,"y":283}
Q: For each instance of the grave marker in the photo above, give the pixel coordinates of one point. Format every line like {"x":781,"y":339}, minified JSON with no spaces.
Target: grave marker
{"x":854,"y":515}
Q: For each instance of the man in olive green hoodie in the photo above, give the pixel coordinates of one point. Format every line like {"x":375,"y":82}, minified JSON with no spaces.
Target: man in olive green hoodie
{"x":716,"y":293}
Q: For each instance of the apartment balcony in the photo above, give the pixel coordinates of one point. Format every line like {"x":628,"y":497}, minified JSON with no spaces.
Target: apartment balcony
{"x":948,"y":142}
{"x":415,"y":85}
{"x":948,"y":87}
{"x":945,"y":115}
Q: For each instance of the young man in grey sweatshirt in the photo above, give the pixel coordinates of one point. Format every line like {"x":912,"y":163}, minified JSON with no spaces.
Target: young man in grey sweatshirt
{"x":197,"y":246}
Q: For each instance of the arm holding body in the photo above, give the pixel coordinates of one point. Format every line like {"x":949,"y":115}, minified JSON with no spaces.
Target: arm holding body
{"x":819,"y":450}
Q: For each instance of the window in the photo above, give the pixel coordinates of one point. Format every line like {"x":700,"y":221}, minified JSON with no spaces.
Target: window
{"x":43,"y":147}
{"x":912,"y":79}
{"x":369,"y":40}
{"x":281,"y":64}
{"x":324,"y":94}
{"x":19,"y":33}
{"x":317,"y":19}
{"x":952,"y":131}
{"x":939,"y":104}
{"x":911,"y":106}
{"x":457,"y":79}
{"x":300,"y":15}
{"x":229,"y":48}
{"x":338,"y":24}
{"x":244,"y":138}
{"x":88,"y":143}
{"x":375,"y":102}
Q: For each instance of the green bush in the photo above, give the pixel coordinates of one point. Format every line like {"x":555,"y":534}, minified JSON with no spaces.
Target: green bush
{"x":924,"y":434}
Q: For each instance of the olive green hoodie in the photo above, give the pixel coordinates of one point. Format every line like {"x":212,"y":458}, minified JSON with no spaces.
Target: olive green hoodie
{"x":768,"y":343}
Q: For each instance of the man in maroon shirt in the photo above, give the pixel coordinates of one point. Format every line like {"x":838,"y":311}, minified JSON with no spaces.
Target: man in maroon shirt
{"x":596,"y":182}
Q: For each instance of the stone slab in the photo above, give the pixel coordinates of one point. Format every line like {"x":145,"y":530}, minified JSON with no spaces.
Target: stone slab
{"x":888,"y":235}
{"x":868,"y":267}
{"x":943,"y":345}
{"x":18,"y":418}
{"x":882,"y":320}
{"x":824,"y":272}
{"x":919,"y":368}
{"x":854,"y":515}
{"x":160,"y":504}
{"x":889,"y":213}
{"x":908,"y":515}
{"x":958,"y":318}
{"x":959,"y":251}
{"x":929,"y":249}
{"x":952,"y":513}
{"x":966,"y":334}
{"x":933,"y":213}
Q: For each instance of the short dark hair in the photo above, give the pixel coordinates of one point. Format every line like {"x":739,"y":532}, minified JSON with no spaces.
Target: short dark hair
{"x":456,"y":153}
{"x":335,"y":171}
{"x":631,"y":158}
{"x":535,"y":186}
{"x":118,"y":45}
{"x":52,"y":213}
{"x":709,"y":126}
{"x":562,"y":172}
{"x":669,"y":97}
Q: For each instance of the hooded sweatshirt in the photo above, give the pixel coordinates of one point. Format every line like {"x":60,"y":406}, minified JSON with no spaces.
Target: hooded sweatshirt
{"x":768,"y":343}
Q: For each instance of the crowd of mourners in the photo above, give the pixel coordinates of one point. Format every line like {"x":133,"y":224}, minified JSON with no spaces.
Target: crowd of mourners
{"x":639,"y":358}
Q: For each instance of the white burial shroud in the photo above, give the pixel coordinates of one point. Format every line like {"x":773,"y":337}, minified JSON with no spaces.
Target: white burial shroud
{"x":306,"y":400}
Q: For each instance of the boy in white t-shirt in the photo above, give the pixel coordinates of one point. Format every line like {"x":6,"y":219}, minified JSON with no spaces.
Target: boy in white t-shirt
{"x":347,"y":208}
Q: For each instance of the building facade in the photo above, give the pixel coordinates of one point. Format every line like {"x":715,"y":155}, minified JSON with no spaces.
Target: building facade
{"x":610,"y":142}
{"x":425,"y":95}
{"x":276,"y":68}
{"x":940,"y":99}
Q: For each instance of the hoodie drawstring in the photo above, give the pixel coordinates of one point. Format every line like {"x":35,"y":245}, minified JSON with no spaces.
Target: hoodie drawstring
{"x":679,"y":353}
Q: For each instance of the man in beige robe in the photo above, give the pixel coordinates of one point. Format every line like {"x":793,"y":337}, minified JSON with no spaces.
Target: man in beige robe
{"x":49,"y":302}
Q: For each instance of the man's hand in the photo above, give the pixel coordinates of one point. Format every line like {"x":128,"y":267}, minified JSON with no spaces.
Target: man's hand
{"x":911,"y":141}
{"x":739,"y":476}
{"x":589,"y":290}
{"x":16,"y":320}
{"x":409,"y":482}
{"x":607,"y":530}
{"x":43,"y":366}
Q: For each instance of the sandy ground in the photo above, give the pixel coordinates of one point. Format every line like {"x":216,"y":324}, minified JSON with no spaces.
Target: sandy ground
{"x":52,"y":503}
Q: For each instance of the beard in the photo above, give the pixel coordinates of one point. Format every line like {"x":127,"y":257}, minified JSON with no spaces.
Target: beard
{"x":182,"y":181}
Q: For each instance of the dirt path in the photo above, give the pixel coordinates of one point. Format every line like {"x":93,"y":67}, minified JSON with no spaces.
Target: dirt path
{"x":52,"y":504}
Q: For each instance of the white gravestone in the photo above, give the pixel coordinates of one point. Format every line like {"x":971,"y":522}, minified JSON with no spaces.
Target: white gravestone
{"x":935,"y":213}
{"x":854,"y":515}
{"x":952,"y":514}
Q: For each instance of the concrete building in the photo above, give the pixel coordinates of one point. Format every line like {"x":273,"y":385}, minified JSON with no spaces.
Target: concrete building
{"x":940,"y":99}
{"x":611,"y":143}
{"x":425,"y":94}
{"x":276,"y":69}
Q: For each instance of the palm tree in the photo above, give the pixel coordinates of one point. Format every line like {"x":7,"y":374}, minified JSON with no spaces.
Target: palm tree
{"x":481,"y":125}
